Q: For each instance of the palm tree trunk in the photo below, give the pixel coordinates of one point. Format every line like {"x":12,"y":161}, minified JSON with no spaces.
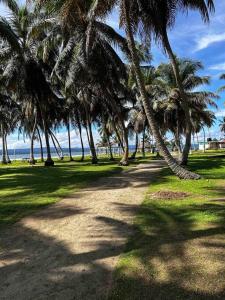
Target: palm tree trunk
{"x":56,"y":140}
{"x":110,"y":147}
{"x":41,"y":146}
{"x":172,"y":163}
{"x":94,"y":158}
{"x":49,"y":161}
{"x":125,"y":159}
{"x":177,"y":143}
{"x":32,"y":159}
{"x":118,"y":137}
{"x":54,"y":144}
{"x":133,"y":156}
{"x":193,"y":139}
{"x":81,"y":141}
{"x":184,"y":103}
{"x":143,"y":142}
{"x":4,"y":160}
{"x":6,"y":150}
{"x":204,"y":137}
{"x":69,"y":140}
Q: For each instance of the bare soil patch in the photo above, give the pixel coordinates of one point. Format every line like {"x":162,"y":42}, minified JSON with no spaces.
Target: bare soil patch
{"x":169,"y":195}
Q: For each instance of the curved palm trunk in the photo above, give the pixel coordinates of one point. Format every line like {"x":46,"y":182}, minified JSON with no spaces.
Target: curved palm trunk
{"x":4,"y":159}
{"x":69,"y":140}
{"x":6,"y":150}
{"x":41,"y":146}
{"x":32,"y":159}
{"x":54,"y":144}
{"x":133,"y":156}
{"x":172,"y":163}
{"x":61,"y":156}
{"x":94,"y":158}
{"x":184,"y":103}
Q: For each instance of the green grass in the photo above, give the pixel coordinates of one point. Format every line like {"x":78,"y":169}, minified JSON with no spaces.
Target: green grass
{"x":25,"y":189}
{"x":177,"y":241}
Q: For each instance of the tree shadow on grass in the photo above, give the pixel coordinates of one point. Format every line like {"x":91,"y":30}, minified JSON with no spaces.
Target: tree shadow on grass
{"x":23,"y":190}
{"x":170,"y":257}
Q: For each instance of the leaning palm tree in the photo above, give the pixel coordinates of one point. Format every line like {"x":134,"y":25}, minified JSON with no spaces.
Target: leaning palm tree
{"x":157,"y":17}
{"x":127,"y":21}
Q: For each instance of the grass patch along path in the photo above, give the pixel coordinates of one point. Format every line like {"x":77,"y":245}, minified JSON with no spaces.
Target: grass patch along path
{"x":69,"y":249}
{"x":178,"y":249}
{"x":25,"y":189}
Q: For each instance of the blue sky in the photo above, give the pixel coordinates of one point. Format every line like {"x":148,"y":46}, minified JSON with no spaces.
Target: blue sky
{"x":190,"y":38}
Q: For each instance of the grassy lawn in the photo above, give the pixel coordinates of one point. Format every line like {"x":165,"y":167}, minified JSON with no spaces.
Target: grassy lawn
{"x":25,"y":189}
{"x":178,"y":249}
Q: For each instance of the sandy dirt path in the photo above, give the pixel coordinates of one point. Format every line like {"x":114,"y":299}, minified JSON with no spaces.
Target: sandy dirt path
{"x":69,"y":250}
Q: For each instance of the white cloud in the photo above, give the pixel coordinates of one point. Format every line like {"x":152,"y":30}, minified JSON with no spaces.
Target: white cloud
{"x":209,"y":39}
{"x":220,"y":67}
{"x":220,"y":113}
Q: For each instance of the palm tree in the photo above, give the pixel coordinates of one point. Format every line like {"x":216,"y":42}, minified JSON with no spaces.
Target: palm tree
{"x":126,"y":10}
{"x":170,"y":104}
{"x":24,"y":73}
{"x":157,"y":17}
{"x":73,"y":13}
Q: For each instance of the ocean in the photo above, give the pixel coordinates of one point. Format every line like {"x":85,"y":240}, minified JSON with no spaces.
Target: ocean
{"x":21,"y":154}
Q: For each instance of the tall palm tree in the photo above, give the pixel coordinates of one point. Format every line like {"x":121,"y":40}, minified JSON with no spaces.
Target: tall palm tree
{"x":157,"y":17}
{"x":126,"y":18}
{"x":73,"y":13}
{"x":171,"y":102}
{"x":24,"y":73}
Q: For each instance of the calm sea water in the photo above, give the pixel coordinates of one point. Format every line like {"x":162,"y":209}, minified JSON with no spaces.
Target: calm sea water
{"x":20,"y":154}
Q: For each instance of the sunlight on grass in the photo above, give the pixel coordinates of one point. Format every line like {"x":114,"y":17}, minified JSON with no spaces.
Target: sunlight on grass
{"x":176,"y":240}
{"x":25,"y":189}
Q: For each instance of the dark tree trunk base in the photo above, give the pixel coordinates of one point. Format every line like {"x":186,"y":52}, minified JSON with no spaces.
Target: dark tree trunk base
{"x":32,"y":161}
{"x":124,"y":163}
{"x":112,"y":159}
{"x":94,"y":161}
{"x":49,"y":163}
{"x":133,"y":156}
{"x":183,"y":163}
{"x":4,"y":162}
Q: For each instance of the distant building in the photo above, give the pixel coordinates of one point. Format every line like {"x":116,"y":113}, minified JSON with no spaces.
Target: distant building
{"x":212,"y":145}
